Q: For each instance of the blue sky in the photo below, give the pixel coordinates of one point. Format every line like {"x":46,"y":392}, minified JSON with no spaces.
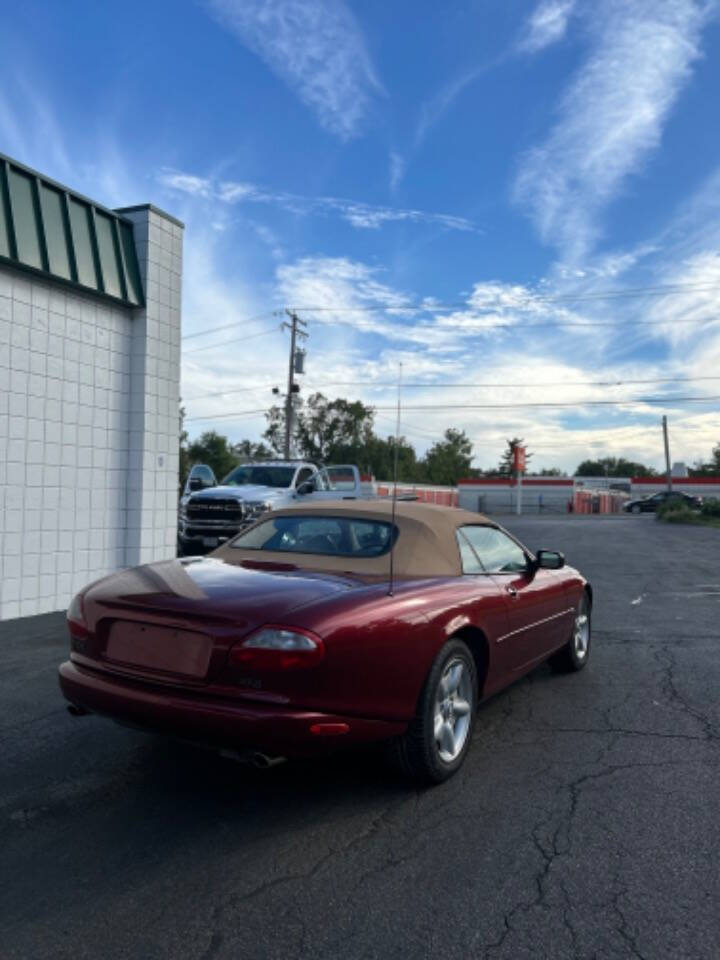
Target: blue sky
{"x":426,"y":182}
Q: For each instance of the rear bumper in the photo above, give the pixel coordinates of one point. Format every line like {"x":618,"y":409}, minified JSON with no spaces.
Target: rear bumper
{"x":206,"y":719}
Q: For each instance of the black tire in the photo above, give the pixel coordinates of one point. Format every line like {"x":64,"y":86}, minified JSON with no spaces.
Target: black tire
{"x":417,"y":753}
{"x":575,"y":655}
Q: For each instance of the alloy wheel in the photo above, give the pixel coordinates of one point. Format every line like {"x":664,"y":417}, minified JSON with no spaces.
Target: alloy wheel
{"x":453,"y":710}
{"x":581,"y":634}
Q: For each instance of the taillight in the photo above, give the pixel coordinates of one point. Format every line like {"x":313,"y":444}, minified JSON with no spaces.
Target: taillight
{"x":76,"y":618}
{"x":278,"y":648}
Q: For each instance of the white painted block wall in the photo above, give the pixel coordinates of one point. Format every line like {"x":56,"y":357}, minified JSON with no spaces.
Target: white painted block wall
{"x":88,"y":426}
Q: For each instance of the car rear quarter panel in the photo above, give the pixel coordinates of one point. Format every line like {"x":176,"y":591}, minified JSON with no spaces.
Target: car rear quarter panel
{"x":379,"y":650}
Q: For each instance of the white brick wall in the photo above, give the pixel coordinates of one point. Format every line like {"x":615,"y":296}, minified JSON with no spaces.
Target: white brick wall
{"x":88,"y":427}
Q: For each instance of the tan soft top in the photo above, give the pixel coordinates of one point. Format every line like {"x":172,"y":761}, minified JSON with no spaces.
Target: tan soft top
{"x":426,"y":545}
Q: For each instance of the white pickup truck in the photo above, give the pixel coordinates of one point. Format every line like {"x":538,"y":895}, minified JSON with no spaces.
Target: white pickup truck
{"x":211,"y":512}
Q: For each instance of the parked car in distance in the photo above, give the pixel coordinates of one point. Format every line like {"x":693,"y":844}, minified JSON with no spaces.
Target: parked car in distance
{"x":651,"y":504}
{"x":211,"y":513}
{"x":294,"y":638}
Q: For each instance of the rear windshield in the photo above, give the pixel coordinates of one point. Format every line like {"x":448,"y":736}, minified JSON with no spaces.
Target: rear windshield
{"x":260,"y":476}
{"x":329,"y":536}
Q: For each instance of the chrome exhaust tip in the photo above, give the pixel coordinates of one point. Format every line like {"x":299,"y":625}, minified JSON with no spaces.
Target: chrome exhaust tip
{"x":76,"y":711}
{"x":264,"y":762}
{"x":255,"y":757}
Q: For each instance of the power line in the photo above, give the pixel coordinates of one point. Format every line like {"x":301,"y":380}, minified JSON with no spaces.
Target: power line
{"x":429,"y":307}
{"x":539,"y":383}
{"x":508,"y":406}
{"x":656,"y":290}
{"x":222,"y":416}
{"x":227,"y":393}
{"x":577,"y":403}
{"x":223,"y":343}
{"x":410,"y":429}
{"x":621,"y":434}
{"x":235,"y":323}
{"x":536,"y":325}
{"x":451,"y":386}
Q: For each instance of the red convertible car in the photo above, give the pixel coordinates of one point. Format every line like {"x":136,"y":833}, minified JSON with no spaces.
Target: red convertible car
{"x":295,"y":637}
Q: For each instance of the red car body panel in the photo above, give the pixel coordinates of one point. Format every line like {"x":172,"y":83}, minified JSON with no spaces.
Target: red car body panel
{"x":230,"y":722}
{"x":378,"y":648}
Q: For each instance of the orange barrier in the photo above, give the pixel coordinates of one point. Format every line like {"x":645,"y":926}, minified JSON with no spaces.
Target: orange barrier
{"x":443,"y":496}
{"x":598,"y":501}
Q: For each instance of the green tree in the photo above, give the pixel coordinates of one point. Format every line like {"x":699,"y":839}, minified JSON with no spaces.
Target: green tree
{"x":614,"y":467}
{"x":249,"y":450}
{"x":324,"y":430}
{"x":709,"y":469}
{"x":275,"y":430}
{"x":215,"y":450}
{"x":333,"y":430}
{"x":448,"y":460}
{"x":505,"y":467}
{"x":378,"y":459}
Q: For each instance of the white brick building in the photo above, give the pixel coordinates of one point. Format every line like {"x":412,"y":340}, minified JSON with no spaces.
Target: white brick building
{"x":89,"y":382}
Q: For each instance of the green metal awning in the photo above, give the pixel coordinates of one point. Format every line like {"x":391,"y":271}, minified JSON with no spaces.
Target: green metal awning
{"x":51,"y":231}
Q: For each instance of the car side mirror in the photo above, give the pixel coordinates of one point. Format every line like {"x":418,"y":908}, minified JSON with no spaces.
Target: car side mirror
{"x":306,"y":487}
{"x":549,"y":560}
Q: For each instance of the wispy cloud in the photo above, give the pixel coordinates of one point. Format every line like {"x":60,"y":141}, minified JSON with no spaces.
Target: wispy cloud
{"x":361,"y":326}
{"x":354,"y":294}
{"x":316,"y":47}
{"x":342,"y":288}
{"x":364,"y":216}
{"x":397,"y":169}
{"x":436,"y":106}
{"x":187,"y":183}
{"x":607,"y":266}
{"x":696,"y":301}
{"x":611,"y":115}
{"x":547,"y":25}
{"x":368,"y":327}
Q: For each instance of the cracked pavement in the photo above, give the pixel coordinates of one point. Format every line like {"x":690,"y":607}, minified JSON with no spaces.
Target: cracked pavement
{"x":584,"y":824}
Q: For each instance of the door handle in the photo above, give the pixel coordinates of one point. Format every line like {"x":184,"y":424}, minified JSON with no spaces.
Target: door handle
{"x":511,"y":590}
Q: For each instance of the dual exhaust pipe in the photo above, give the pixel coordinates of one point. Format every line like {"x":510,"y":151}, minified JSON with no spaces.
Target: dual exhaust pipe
{"x":75,"y":711}
{"x":262,"y":761}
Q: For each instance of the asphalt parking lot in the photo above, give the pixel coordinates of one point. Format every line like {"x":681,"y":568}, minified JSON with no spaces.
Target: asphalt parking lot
{"x":584,"y":824}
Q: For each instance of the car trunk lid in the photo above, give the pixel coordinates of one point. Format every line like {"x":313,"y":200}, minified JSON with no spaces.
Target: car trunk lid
{"x":178,"y":619}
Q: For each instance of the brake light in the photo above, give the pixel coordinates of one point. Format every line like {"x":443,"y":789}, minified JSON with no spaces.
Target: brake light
{"x":278,"y":648}
{"x":76,"y":622}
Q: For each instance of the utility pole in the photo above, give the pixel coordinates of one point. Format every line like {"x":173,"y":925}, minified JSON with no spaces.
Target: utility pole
{"x":668,"y":472}
{"x":296,"y":330}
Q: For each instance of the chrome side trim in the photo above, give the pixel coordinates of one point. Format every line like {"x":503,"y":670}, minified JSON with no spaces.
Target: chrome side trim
{"x":538,"y":623}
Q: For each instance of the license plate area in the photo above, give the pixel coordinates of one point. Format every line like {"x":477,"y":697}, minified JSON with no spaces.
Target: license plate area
{"x":165,"y":649}
{"x":210,"y":541}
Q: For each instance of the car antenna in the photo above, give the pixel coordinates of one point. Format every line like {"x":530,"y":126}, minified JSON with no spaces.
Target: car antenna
{"x":395,"y":479}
